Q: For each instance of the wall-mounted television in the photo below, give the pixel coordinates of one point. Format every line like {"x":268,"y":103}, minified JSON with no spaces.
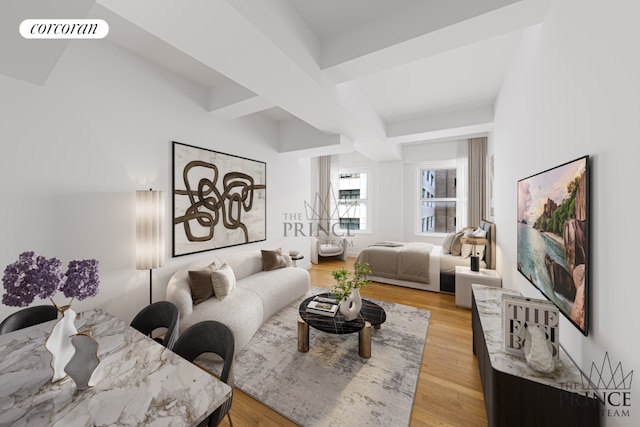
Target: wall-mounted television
{"x":553,"y":237}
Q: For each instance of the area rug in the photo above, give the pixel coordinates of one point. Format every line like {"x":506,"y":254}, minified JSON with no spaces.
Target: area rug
{"x":332,"y":385}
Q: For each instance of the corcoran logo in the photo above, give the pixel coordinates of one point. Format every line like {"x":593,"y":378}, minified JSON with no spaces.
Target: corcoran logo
{"x":614,"y":386}
{"x":64,"y":29}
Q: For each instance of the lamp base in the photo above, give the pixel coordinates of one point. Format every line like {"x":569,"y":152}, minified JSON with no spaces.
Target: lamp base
{"x":475,"y":263}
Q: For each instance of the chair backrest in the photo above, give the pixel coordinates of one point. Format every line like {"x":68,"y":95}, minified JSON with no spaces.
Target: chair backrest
{"x":161,"y":314}
{"x":210,"y":336}
{"x":28,"y":317}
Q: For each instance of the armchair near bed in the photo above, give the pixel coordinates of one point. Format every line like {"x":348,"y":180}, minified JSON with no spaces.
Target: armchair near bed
{"x":327,"y":245}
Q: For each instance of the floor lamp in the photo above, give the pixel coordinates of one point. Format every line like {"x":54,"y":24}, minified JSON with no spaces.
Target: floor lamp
{"x":150,"y":244}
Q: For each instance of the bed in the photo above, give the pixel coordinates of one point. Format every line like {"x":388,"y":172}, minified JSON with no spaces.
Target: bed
{"x":422,"y":265}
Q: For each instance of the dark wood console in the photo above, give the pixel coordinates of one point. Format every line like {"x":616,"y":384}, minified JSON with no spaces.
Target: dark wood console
{"x":515,"y":394}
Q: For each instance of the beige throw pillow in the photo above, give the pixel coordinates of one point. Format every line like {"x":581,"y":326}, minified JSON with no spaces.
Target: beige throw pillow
{"x":272,"y":259}
{"x":456,"y":246}
{"x":446,"y":245}
{"x":223,"y":280}
{"x":200,"y":284}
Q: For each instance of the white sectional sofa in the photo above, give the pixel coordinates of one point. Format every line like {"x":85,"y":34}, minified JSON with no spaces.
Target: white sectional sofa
{"x":258,"y":294}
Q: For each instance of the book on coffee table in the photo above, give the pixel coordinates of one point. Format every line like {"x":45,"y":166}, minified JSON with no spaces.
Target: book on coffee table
{"x":321,"y":307}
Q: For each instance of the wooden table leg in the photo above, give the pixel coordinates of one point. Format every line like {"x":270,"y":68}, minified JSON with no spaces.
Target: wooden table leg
{"x":364,"y":341}
{"x":303,"y":336}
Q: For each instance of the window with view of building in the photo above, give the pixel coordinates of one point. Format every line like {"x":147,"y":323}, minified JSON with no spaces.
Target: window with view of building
{"x":437,"y":200}
{"x":353,"y":200}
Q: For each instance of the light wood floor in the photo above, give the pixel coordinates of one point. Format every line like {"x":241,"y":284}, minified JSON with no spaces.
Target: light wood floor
{"x":449,"y":392}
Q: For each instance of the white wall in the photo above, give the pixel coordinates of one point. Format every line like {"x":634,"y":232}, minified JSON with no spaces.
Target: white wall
{"x":573,"y":89}
{"x":76,"y":149}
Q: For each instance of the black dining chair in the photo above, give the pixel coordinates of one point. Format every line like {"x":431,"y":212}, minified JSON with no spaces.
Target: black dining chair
{"x":161,"y":314}
{"x":28,"y":317}
{"x":211,"y":337}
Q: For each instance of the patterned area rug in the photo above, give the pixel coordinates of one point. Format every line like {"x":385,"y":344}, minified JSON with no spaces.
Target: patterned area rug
{"x":332,"y":385}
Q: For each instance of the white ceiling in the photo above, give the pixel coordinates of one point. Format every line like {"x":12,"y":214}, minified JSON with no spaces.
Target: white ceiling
{"x":336,"y":75}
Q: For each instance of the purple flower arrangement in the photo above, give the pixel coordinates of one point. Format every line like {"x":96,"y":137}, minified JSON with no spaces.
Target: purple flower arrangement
{"x":33,"y":275}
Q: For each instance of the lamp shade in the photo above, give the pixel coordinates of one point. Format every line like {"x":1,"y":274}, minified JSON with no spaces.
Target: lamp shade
{"x":150,"y":243}
{"x":471,"y":240}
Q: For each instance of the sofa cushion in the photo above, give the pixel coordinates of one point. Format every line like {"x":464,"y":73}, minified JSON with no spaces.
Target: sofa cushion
{"x":200,"y":284}
{"x":277,"y":288}
{"x":273,"y":259}
{"x":241,"y":311}
{"x":223,"y":281}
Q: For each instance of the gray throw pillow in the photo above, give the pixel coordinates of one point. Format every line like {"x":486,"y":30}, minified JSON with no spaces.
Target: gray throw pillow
{"x":272,"y":259}
{"x":200,"y":284}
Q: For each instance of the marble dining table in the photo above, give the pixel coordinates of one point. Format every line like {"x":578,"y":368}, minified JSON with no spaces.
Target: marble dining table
{"x":137,"y":383}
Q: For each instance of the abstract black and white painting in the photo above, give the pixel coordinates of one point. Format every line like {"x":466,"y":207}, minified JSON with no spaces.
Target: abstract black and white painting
{"x":219,"y":200}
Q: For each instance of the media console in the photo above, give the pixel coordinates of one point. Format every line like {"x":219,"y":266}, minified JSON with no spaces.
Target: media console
{"x":515,"y":394}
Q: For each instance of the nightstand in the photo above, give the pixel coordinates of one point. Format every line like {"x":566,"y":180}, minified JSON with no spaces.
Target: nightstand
{"x":465,"y":278}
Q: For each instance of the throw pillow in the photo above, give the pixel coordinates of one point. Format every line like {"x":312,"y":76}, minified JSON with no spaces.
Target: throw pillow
{"x":223,"y":281}
{"x":200,"y":284}
{"x":456,"y":246}
{"x":446,"y":245}
{"x":272,"y":259}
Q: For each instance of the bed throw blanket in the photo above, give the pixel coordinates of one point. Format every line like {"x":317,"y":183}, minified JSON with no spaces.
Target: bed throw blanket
{"x":406,"y":261}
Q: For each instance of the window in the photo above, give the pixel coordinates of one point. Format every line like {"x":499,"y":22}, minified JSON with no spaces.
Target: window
{"x":437,"y":198}
{"x":353,"y":201}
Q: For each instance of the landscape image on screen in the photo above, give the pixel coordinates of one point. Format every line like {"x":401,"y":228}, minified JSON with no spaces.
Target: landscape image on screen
{"x":553,"y":236}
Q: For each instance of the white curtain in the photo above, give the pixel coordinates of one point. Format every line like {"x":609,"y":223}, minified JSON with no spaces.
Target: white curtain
{"x":324,"y":192}
{"x":477,"y":180}
{"x":462,"y":190}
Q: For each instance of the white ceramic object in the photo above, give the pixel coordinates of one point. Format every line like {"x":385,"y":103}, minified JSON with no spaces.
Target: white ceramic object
{"x":59,"y":342}
{"x":351,"y":305}
{"x":537,"y":350}
{"x":84,"y":361}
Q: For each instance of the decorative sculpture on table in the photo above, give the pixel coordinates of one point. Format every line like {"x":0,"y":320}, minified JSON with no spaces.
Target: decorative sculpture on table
{"x":531,"y":330}
{"x":34,"y":275}
{"x":347,"y":291}
{"x":84,"y":361}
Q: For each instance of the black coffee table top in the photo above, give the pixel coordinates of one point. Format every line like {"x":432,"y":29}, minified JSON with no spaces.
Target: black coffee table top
{"x":370,"y":312}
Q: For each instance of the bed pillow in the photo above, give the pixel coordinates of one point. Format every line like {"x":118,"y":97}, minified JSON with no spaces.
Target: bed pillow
{"x":456,"y":245}
{"x":200,"y":284}
{"x":446,"y":245}
{"x":223,"y":281}
{"x":272,"y":260}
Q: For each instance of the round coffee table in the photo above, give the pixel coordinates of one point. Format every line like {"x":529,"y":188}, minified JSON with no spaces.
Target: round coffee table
{"x":371,"y":314}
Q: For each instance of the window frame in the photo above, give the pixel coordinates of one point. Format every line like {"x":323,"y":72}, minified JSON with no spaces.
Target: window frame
{"x":366,"y":202}
{"x":432,"y":165}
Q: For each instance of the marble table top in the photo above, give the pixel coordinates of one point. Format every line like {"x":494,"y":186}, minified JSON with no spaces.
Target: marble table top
{"x":137,"y":383}
{"x":566,"y":376}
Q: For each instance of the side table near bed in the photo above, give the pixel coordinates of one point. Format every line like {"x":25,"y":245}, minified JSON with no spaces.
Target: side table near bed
{"x":465,"y":278}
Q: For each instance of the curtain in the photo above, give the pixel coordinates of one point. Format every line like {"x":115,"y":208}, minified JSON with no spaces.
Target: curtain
{"x":477,"y":180}
{"x":462,"y":190}
{"x":324,"y":192}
